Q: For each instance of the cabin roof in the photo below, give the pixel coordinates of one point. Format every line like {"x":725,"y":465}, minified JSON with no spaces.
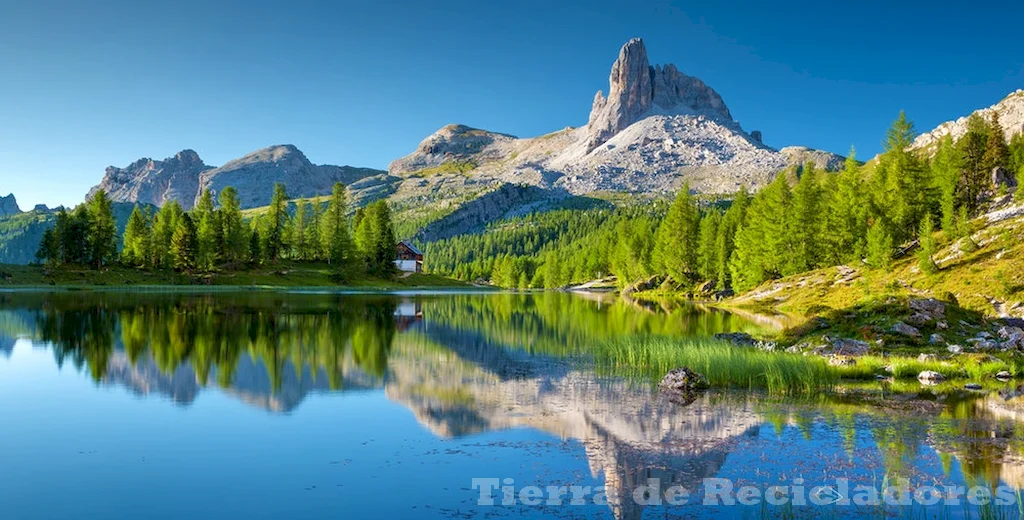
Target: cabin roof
{"x":411,"y":247}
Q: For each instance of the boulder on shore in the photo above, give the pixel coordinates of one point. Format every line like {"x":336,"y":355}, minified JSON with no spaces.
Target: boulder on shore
{"x":683,"y":380}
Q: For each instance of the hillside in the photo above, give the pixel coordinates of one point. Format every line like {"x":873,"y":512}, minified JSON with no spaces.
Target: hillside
{"x":20,"y":233}
{"x":989,"y":280}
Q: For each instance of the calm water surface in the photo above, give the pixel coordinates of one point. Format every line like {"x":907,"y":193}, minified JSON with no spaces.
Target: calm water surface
{"x":276,"y":405}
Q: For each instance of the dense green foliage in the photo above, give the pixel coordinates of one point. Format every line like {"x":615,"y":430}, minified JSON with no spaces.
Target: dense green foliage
{"x":87,"y":235}
{"x":215,"y":236}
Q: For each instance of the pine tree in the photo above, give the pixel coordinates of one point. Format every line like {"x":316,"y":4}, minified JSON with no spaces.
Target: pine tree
{"x":185,"y":245}
{"x":375,"y":238}
{"x":204,"y":217}
{"x":902,"y":186}
{"x":725,"y":242}
{"x":335,"y":241}
{"x":102,"y":230}
{"x":164,"y":225}
{"x":927,"y":252}
{"x":946,"y":168}
{"x":676,"y":241}
{"x":49,"y":247}
{"x":997,"y":153}
{"x":763,"y":245}
{"x":554,"y":275}
{"x":804,"y":229}
{"x":137,"y":238}
{"x":879,"y":246}
{"x":385,"y":241}
{"x":846,"y":218}
{"x":1017,"y":156}
{"x":233,"y":228}
{"x":255,"y":250}
{"x":707,"y":248}
{"x":972,"y":148}
{"x":275,"y":223}
{"x":297,"y":240}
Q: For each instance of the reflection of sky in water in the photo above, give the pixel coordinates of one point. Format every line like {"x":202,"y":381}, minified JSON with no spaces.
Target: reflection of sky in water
{"x":407,"y":445}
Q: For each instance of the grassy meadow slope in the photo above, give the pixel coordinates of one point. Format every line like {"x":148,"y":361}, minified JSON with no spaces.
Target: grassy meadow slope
{"x":985,"y":274}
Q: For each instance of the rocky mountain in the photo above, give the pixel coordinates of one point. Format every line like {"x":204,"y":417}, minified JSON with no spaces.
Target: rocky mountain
{"x":656,"y":129}
{"x":1011,"y":117}
{"x":9,"y":206}
{"x":185,"y":176}
{"x":155,"y":182}
{"x":254,"y":175}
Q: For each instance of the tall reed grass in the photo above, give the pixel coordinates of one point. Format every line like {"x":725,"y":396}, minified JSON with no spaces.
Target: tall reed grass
{"x":724,"y":365}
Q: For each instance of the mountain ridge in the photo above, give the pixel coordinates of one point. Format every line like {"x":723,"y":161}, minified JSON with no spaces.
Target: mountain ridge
{"x":184,"y":176}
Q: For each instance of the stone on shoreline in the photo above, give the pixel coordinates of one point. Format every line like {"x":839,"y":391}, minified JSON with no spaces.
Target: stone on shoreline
{"x":683,"y":380}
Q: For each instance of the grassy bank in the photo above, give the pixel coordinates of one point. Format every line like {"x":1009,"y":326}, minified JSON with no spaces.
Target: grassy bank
{"x":729,"y":366}
{"x":284,"y":274}
{"x":724,"y":365}
{"x":984,"y":272}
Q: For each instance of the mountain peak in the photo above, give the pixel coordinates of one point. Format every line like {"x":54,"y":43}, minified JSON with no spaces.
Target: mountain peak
{"x":9,"y":205}
{"x":636,"y":89}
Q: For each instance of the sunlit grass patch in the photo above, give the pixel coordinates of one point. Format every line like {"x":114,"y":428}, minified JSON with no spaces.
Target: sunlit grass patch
{"x":724,"y":365}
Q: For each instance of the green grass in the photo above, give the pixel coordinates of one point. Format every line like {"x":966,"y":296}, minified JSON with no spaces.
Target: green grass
{"x":283,"y":274}
{"x":963,"y":367}
{"x":730,"y":367}
{"x":724,"y":365}
{"x":452,"y":167}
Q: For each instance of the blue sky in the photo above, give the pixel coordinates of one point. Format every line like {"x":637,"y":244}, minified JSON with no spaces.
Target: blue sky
{"x":84,"y":85}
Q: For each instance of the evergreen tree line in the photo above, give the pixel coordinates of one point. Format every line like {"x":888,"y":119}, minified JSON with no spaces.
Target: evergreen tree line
{"x":86,"y":236}
{"x":216,"y":235}
{"x":805,"y":219}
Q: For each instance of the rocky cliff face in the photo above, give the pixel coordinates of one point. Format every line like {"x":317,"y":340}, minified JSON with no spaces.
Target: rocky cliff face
{"x":636,"y":89}
{"x":1011,"y":117}
{"x":9,"y":206}
{"x":656,"y":129}
{"x":155,"y":182}
{"x":184,"y":177}
{"x":255,"y":175}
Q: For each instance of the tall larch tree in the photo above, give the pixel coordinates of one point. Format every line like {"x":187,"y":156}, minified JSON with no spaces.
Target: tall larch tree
{"x":676,"y":241}
{"x":234,"y":230}
{"x":102,"y":230}
{"x":335,"y":241}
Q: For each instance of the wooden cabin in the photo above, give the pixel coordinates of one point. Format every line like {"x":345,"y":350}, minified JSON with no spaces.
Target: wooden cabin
{"x":408,"y":258}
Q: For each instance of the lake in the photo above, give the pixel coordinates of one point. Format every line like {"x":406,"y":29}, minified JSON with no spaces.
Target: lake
{"x":299,"y":405}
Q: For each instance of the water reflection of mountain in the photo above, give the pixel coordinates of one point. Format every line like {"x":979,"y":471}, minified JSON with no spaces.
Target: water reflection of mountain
{"x":463,"y":365}
{"x":631,"y":436}
{"x":250,"y":383}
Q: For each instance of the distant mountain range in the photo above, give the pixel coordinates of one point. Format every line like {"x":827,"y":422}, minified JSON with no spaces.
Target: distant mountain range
{"x":185,"y":176}
{"x":656,"y":129}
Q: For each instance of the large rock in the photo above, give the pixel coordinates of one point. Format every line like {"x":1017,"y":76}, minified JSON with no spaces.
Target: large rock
{"x":1003,"y":177}
{"x":9,"y":206}
{"x":905,"y":330}
{"x":928,"y":306}
{"x":683,"y":380}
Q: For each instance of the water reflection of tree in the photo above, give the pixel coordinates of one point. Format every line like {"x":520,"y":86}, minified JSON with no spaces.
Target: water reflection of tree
{"x":213,"y":333}
{"x":566,"y":324}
